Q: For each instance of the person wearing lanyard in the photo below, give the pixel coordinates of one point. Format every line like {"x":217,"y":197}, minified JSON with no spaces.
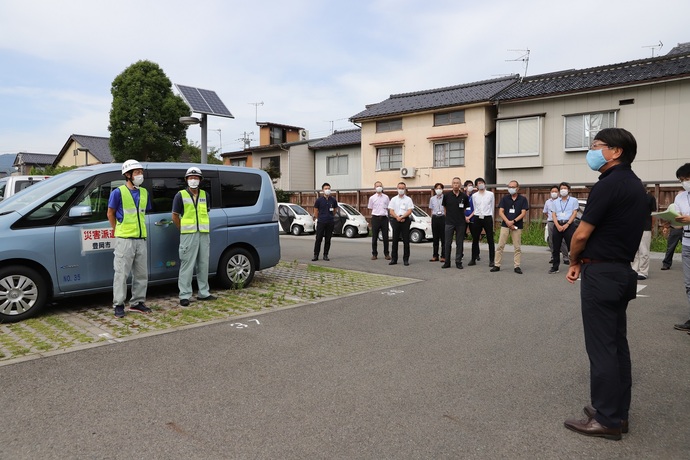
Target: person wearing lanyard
{"x":400,"y":208}
{"x":324,"y":211}
{"x":548,"y":210}
{"x":468,"y":188}
{"x":600,"y":256}
{"x":438,"y":222}
{"x":455,"y":202}
{"x":378,"y":203}
{"x":483,"y":203}
{"x":512,"y":210}
{"x":682,"y":203}
{"x":563,"y":213}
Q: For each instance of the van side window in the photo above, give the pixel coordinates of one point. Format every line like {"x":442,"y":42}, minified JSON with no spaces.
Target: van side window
{"x":239,"y":189}
{"x":50,"y":211}
{"x":164,"y":189}
{"x":97,"y":195}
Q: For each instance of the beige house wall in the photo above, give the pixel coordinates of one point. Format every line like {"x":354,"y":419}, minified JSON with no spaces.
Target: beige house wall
{"x":417,"y":140}
{"x":69,"y":159}
{"x":296,"y":166}
{"x":659,"y":119}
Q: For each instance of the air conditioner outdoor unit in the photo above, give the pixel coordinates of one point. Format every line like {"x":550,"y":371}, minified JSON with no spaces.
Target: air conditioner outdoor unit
{"x":303,"y":134}
{"x":407,"y":172}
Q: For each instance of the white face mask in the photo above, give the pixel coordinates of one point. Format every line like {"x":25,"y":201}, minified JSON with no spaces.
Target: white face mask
{"x":193,"y":183}
{"x":379,"y":189}
{"x":470,"y":189}
{"x":327,"y":192}
{"x":564,"y":192}
{"x":512,"y":191}
{"x":401,"y":191}
{"x":138,"y":180}
{"x":481,"y":186}
{"x":554,"y":195}
{"x":439,"y":191}
{"x":686,"y":185}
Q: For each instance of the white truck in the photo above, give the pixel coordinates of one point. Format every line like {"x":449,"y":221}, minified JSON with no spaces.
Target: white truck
{"x":12,"y":184}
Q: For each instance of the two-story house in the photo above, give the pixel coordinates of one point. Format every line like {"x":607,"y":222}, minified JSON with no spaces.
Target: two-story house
{"x":545,"y":123}
{"x":431,"y":136}
{"x":81,"y":150}
{"x":337,"y":160}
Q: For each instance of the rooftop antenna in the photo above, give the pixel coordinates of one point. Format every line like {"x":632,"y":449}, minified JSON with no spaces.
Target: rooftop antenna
{"x":256,"y":109}
{"x":333,"y":121}
{"x":655,"y":47}
{"x":524,"y":58}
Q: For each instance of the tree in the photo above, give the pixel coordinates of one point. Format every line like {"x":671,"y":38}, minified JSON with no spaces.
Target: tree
{"x":144,"y":118}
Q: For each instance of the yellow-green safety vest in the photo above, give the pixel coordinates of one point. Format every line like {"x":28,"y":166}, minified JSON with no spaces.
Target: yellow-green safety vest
{"x":133,"y":223}
{"x":195,"y":215}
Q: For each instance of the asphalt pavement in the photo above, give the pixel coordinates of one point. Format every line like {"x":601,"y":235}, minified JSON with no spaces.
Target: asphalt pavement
{"x":461,"y":364}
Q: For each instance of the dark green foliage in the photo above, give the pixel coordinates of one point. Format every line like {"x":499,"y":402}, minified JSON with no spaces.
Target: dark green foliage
{"x":283,"y":196}
{"x":144,"y":118}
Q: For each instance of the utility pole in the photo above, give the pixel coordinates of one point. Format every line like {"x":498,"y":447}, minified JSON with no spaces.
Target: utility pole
{"x":246,"y":139}
{"x":220,"y":149}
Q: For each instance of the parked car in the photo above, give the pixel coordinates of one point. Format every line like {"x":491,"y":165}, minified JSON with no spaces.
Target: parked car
{"x":12,"y":184}
{"x":294,"y":219}
{"x":56,"y":242}
{"x":420,"y":226}
{"x":350,"y":222}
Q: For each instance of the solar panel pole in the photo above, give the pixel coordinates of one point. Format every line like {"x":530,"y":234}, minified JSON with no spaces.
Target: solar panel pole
{"x":204,"y":157}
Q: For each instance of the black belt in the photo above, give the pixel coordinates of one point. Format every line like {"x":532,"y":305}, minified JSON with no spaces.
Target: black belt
{"x":587,"y":260}
{"x":438,"y":215}
{"x":563,"y":222}
{"x":378,"y":216}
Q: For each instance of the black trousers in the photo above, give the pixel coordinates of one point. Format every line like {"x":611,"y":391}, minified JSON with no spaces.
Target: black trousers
{"x":605,"y":291}
{"x":400,"y":230}
{"x":476,"y":227}
{"x":323,"y":230}
{"x":459,"y":230}
{"x":674,"y":237}
{"x":379,"y":224}
{"x":558,"y":238}
{"x":438,"y":229}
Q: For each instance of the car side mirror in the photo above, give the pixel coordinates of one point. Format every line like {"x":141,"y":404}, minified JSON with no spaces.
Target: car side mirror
{"x":80,"y":211}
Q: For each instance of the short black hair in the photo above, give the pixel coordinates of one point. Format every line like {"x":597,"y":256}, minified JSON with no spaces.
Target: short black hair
{"x":562,"y":184}
{"x":479,"y":179}
{"x":325,"y":184}
{"x":621,"y":138}
{"x":437,"y":184}
{"x":683,"y":171}
{"x":554,"y":187}
{"x":468,"y":182}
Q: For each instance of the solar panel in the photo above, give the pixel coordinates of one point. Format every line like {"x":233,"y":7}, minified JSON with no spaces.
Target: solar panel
{"x":203,"y":101}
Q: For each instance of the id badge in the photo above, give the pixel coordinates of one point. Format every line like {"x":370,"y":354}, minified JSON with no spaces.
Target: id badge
{"x":461,"y":205}
{"x":511,"y":211}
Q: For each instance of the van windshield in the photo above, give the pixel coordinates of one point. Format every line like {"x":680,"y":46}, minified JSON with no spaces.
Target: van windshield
{"x":419,"y":212}
{"x":40,"y":190}
{"x":349,"y":209}
{"x":299,"y":210}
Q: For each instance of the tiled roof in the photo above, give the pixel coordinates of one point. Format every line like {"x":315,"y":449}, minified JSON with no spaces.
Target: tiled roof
{"x":450,"y":96}
{"x":340,"y":138}
{"x":40,"y":159}
{"x":680,"y":48}
{"x":277,"y":125}
{"x":99,"y":147}
{"x":676,"y":65}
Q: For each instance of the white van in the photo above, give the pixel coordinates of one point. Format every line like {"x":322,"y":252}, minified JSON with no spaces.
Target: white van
{"x":12,"y":184}
{"x":420,"y":226}
{"x":350,"y":222}
{"x":294,"y":219}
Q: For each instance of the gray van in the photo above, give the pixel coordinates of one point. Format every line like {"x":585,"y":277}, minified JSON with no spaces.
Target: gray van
{"x":56,"y":242}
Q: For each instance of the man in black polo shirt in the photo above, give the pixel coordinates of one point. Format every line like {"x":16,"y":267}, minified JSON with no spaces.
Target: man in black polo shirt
{"x":324,"y":212}
{"x":600,"y":253}
{"x":512,"y":210}
{"x":455,"y":202}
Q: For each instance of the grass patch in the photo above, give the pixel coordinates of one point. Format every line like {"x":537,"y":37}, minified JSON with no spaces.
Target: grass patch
{"x":319,"y":269}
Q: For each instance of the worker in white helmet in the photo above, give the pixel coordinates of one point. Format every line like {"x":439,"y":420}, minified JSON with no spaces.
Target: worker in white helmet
{"x":127,"y":208}
{"x":190,"y":215}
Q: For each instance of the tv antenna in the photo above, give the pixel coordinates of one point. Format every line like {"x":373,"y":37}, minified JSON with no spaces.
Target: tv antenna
{"x":655,"y":47}
{"x":524,"y":58}
{"x":333,"y":121}
{"x":256,"y":109}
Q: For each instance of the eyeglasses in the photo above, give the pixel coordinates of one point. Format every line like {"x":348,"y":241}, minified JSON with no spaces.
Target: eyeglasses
{"x":596,"y":146}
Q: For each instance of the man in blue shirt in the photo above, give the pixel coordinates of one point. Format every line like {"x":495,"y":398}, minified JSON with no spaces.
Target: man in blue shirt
{"x":324,"y":212}
{"x":563,"y":213}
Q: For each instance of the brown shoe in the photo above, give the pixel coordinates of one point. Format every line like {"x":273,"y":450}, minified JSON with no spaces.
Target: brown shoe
{"x":443,"y":259}
{"x":589,"y":411}
{"x":374,"y":257}
{"x":590,"y":427}
{"x":433,"y":259}
{"x":388,"y":257}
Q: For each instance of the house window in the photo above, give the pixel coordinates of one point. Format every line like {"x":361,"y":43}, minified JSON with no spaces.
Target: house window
{"x":580,"y":130}
{"x":278,"y":135}
{"x":448,"y":154}
{"x":449,"y":118}
{"x":239,"y":162}
{"x":389,"y":125}
{"x":336,"y":165}
{"x":270,"y":163}
{"x":519,"y":137}
{"x":388,"y":158}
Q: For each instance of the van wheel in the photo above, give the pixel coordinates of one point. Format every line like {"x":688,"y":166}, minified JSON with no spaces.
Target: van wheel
{"x":236,"y":269}
{"x":23,"y":293}
{"x":416,"y":236}
{"x":350,"y":232}
{"x":297,"y":230}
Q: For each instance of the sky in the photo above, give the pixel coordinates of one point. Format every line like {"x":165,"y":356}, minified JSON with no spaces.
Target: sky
{"x":311,"y":63}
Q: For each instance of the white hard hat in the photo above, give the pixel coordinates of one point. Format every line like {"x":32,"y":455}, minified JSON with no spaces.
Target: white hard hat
{"x":130,"y":165}
{"x":193,"y":171}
